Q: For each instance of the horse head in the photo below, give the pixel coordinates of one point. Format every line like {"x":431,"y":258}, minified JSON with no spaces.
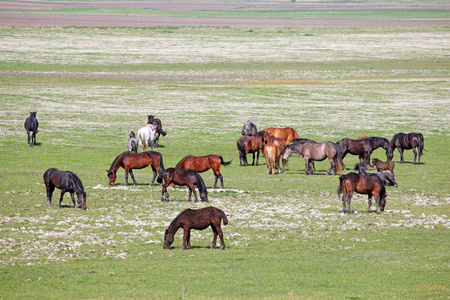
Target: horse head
{"x":168,"y":239}
{"x":82,"y":200}
{"x":111,"y":176}
{"x":287,"y":153}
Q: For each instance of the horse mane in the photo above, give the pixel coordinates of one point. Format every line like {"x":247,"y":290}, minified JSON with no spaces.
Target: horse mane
{"x":77,"y":185}
{"x":116,"y":159}
{"x":181,"y":161}
{"x":201,"y":183}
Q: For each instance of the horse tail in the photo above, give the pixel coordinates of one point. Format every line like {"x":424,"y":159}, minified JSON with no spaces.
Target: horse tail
{"x":160,"y":176}
{"x":241,"y":147}
{"x":340,"y":190}
{"x":224,"y":163}
{"x":161,"y":163}
{"x":224,"y":217}
{"x":421,"y":143}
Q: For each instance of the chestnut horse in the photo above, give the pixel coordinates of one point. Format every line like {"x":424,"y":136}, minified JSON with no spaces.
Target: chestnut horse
{"x":66,"y":181}
{"x":250,"y":144}
{"x":368,"y":184}
{"x":272,"y":153}
{"x":381,"y":165}
{"x":130,"y":160}
{"x":312,"y":151}
{"x":157,"y":122}
{"x":288,"y":134}
{"x":198,"y":219}
{"x":182,"y":177}
{"x":403,"y":141}
{"x":203,"y":164}
{"x":31,"y":124}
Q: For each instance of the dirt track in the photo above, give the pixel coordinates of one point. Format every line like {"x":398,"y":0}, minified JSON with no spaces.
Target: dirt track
{"x":80,"y":20}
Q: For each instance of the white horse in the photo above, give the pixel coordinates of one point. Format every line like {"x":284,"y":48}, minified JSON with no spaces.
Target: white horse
{"x":147,"y":136}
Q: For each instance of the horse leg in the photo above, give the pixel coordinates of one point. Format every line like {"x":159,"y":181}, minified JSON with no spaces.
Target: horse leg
{"x":221,"y":180}
{"x":50,"y":188}
{"x":415,"y":154}
{"x":257,"y":158}
{"x":61,"y":198}
{"x":189,"y":240}
{"x":253,"y":163}
{"x":185,"y":238}
{"x":192,"y":189}
{"x":28,"y":134}
{"x":33,"y":138}
{"x":401,"y":155}
{"x":370,"y":202}
{"x":164,"y":190}
{"x":73,"y":199}
{"x":306,"y":165}
{"x":377,"y":200}
{"x":154,"y":175}
{"x":132,"y":177}
{"x":214,"y":241}
{"x":349,"y":199}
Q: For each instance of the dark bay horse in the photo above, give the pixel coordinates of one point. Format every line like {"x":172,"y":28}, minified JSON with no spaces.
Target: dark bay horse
{"x":370,"y":185}
{"x":403,"y":141}
{"x":376,"y":142}
{"x":183,"y":177}
{"x":31,"y":124}
{"x":66,"y":181}
{"x":388,"y":179}
{"x":288,"y":134}
{"x":381,"y":165}
{"x":198,"y":219}
{"x":203,"y":164}
{"x":249,"y":129}
{"x":355,"y":147}
{"x":250,"y":144}
{"x":312,"y":151}
{"x":130,"y":160}
{"x":157,"y":122}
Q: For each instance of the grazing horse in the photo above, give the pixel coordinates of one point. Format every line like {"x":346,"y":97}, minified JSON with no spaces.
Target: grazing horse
{"x":387,"y":178}
{"x":250,"y":144}
{"x":249,"y":129}
{"x":355,"y":147}
{"x":157,"y":122}
{"x":130,"y":160}
{"x":183,"y":177}
{"x":198,"y":219}
{"x":147,"y":136}
{"x":203,"y":164}
{"x":272,"y":153}
{"x":132,"y":143}
{"x":369,"y":184}
{"x":375,"y":142}
{"x":288,"y":134}
{"x":66,"y":181}
{"x":381,"y":165}
{"x":31,"y":124}
{"x":403,"y":141}
{"x":312,"y":151}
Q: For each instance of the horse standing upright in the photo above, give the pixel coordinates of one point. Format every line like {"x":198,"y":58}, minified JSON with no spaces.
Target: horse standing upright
{"x":183,"y":177}
{"x":31,"y":124}
{"x":272,"y":153}
{"x":288,"y":134}
{"x":203,"y":164}
{"x":368,"y":184}
{"x":381,"y":165}
{"x":403,"y":141}
{"x":157,"y":122}
{"x":146,"y":136}
{"x":66,"y":181}
{"x":196,"y":219}
{"x":130,"y":160}
{"x":355,"y":147}
{"x":132,"y":143}
{"x":250,"y":144}
{"x":249,"y":129}
{"x":375,"y":142}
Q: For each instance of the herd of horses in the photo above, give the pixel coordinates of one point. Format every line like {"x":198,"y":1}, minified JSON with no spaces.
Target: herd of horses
{"x":277,"y":145}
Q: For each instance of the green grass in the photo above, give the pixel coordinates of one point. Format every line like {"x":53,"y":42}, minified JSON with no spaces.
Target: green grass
{"x":286,"y":237}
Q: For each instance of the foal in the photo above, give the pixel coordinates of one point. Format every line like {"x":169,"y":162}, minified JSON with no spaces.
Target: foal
{"x":196,"y":219}
{"x":381,"y":166}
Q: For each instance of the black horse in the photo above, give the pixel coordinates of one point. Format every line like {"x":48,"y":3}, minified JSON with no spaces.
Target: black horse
{"x":182,"y":177}
{"x":157,"y":122}
{"x":66,"y":181}
{"x":376,"y":142}
{"x":249,"y":129}
{"x":403,"y":141}
{"x":31,"y":124}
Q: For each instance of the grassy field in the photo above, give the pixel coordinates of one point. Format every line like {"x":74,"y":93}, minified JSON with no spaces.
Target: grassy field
{"x":286,"y":237}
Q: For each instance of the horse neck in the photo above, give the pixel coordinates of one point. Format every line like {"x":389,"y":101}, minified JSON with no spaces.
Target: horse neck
{"x":116,"y":163}
{"x":77,"y":186}
{"x":174,"y":226}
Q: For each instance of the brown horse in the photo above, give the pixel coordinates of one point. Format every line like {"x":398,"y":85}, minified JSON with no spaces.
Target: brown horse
{"x":381,"y":165}
{"x":369,"y":184}
{"x":355,"y":147}
{"x":388,"y":179}
{"x":250,"y":144}
{"x":183,"y":177}
{"x":203,"y":164}
{"x":272,"y":153}
{"x":198,"y":219}
{"x":403,"y":141}
{"x":130,"y":160}
{"x":312,"y":151}
{"x":157,"y":122}
{"x":268,"y":138}
{"x":288,"y":134}
{"x":66,"y":181}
